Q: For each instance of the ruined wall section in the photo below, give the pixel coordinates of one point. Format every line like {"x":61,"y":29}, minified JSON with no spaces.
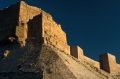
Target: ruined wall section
{"x":26,"y":14}
{"x":53,"y":34}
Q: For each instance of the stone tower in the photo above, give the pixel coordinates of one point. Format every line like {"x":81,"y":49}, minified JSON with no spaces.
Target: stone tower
{"x":31,"y":23}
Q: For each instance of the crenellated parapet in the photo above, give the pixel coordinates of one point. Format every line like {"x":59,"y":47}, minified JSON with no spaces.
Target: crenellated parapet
{"x":107,"y":61}
{"x":78,"y":53}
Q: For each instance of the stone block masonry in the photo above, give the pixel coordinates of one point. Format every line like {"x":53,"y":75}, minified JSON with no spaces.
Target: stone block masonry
{"x":26,"y":14}
{"x":21,"y":33}
{"x":49,"y":33}
{"x":92,"y":62}
{"x":108,"y":63}
{"x":77,"y":52}
{"x":53,"y":33}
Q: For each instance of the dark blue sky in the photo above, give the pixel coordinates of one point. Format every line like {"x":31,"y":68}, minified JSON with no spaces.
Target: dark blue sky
{"x":94,"y":25}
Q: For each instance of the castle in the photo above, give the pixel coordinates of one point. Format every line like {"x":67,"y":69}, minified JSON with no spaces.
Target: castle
{"x":34,"y":46}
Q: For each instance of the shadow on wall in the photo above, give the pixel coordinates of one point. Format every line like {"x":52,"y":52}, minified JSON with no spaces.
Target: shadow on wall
{"x":35,"y":29}
{"x":21,"y":75}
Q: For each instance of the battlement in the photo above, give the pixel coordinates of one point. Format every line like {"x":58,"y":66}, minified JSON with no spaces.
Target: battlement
{"x":107,"y":61}
{"x":77,"y":52}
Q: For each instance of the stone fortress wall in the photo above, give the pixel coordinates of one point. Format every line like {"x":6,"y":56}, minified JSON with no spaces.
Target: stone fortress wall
{"x":107,"y":61}
{"x":26,"y":13}
{"x":49,"y":32}
{"x":52,"y":34}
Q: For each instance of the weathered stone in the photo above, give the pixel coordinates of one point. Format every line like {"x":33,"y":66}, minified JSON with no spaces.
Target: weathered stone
{"x":108,"y":63}
{"x":21,"y":33}
{"x":43,"y":48}
{"x":77,"y":52}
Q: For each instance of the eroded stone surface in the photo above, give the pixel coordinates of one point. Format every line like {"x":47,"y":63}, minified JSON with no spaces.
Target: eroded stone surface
{"x":38,"y":45}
